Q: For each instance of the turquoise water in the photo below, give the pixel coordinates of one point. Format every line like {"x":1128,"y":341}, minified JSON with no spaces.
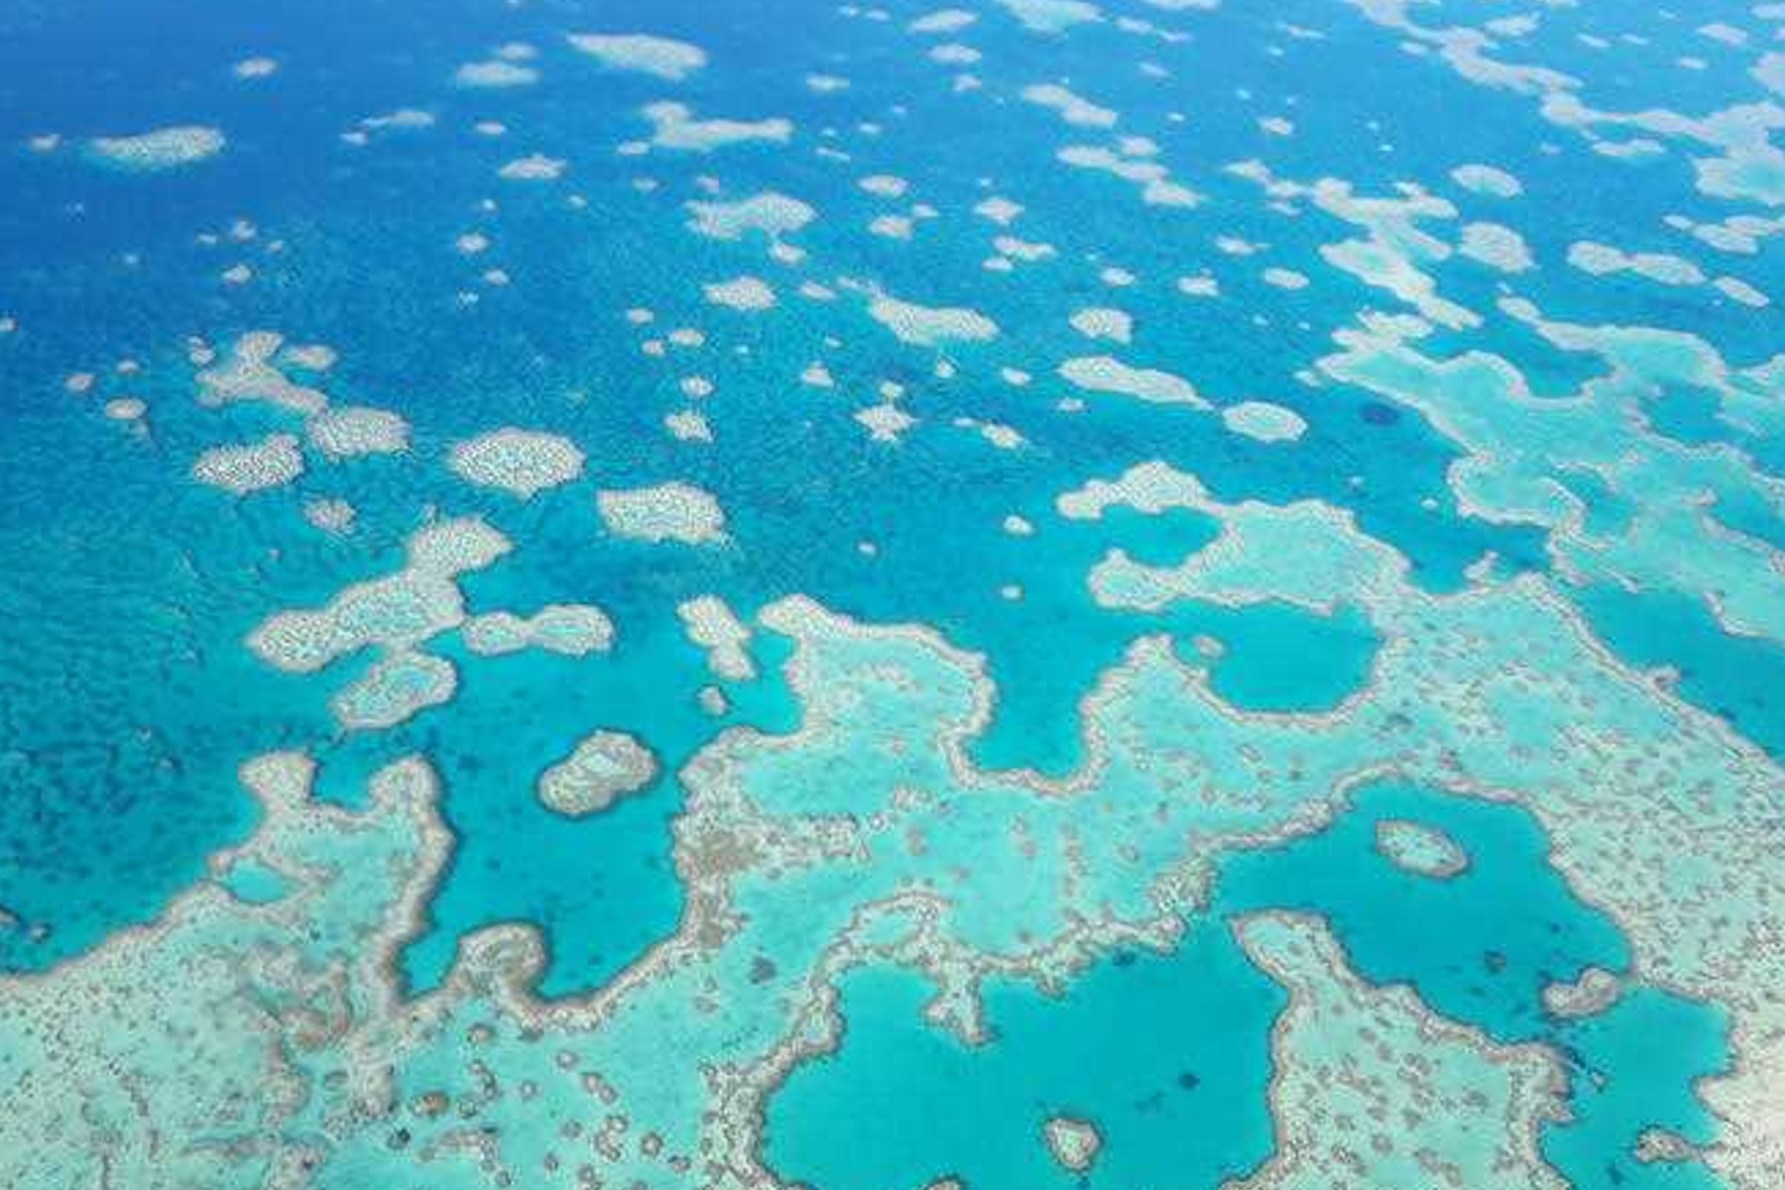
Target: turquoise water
{"x":1511,"y":493}
{"x":1180,"y":1102}
{"x":255,"y":882}
{"x":1731,"y":675}
{"x":1478,"y":948}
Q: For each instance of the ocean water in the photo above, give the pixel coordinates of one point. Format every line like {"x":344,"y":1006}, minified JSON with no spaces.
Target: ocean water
{"x":1128,"y":452}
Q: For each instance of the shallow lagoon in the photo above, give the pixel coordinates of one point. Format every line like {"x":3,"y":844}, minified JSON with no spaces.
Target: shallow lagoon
{"x":1162,"y":1052}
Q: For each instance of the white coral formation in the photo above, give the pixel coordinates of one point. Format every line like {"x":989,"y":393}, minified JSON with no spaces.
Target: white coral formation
{"x":1486,"y":179}
{"x":673,"y":511}
{"x":1107,"y":374}
{"x":343,"y":431}
{"x":181,"y":1039}
{"x":495,"y":74}
{"x":1420,"y":849}
{"x":250,"y":373}
{"x":642,"y":53}
{"x":943,"y":20}
{"x":331,"y":515}
{"x":1590,"y":993}
{"x":1264,"y":421}
{"x":1134,"y":163}
{"x":272,"y":462}
{"x":1074,"y":1143}
{"x":885,"y":422}
{"x":1100,"y":322}
{"x":1370,"y":1080}
{"x":1073,"y":108}
{"x":712,"y":625}
{"x":747,"y":295}
{"x":771,"y":213}
{"x":395,"y":690}
{"x":884,"y":185}
{"x":1150,"y":488}
{"x":676,"y":127}
{"x":688,"y":425}
{"x":312,"y":357}
{"x":1601,"y":259}
{"x":397,"y":612}
{"x":1497,"y":246}
{"x":535,"y":167}
{"x":158,"y":150}
{"x":606,"y":766}
{"x":520,"y":462}
{"x":254,"y":371}
{"x":930,"y":326}
{"x":568,"y":629}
